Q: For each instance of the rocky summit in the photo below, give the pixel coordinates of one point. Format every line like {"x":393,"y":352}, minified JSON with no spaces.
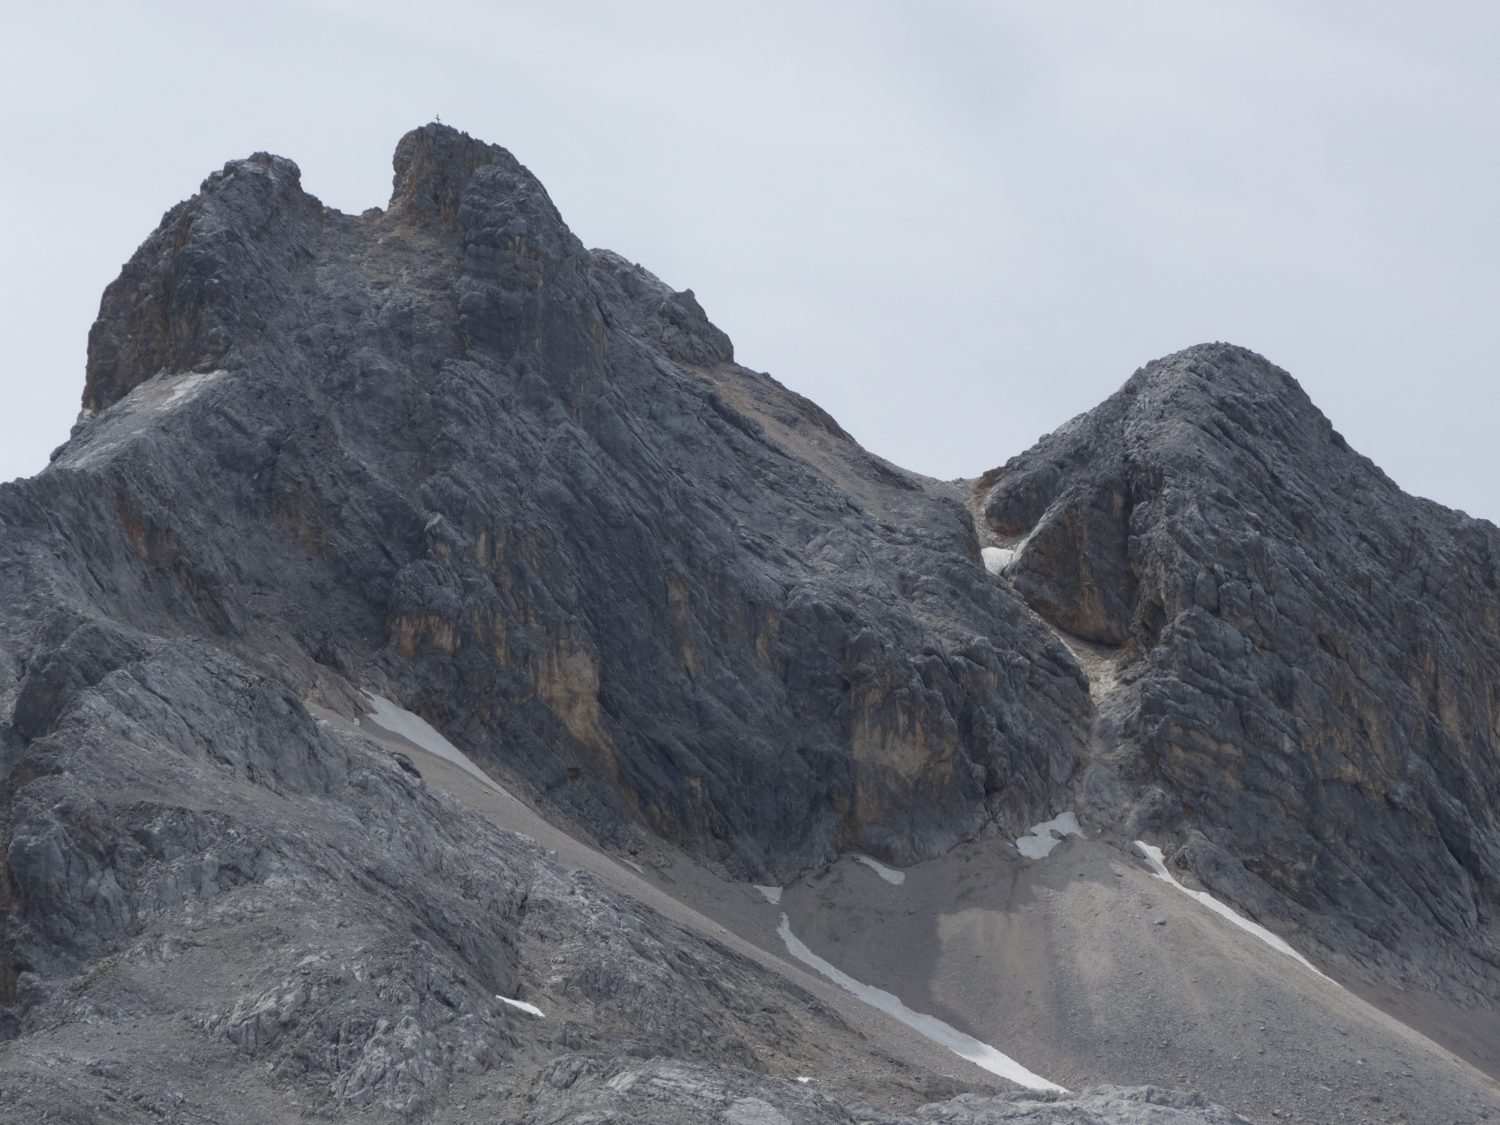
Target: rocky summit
{"x":439,"y":683}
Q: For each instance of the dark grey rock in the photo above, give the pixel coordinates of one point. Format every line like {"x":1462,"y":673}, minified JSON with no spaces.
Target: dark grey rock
{"x":1308,"y":710}
{"x":444,"y":451}
{"x":447,"y":448}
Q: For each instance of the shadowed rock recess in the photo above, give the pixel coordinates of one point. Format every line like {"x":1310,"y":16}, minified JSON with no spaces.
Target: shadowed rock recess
{"x":444,"y":452}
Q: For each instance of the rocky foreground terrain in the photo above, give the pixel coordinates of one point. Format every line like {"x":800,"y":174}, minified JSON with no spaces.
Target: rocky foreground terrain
{"x":437,"y":682}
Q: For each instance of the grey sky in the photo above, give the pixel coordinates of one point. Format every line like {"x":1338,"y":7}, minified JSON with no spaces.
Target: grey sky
{"x":954,"y":225}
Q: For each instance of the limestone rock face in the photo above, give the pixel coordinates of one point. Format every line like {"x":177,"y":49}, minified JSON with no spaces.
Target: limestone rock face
{"x":200,"y":288}
{"x":1310,"y":701}
{"x":444,"y":452}
{"x":524,"y":485}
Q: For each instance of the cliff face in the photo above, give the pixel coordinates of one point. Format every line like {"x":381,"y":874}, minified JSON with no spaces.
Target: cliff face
{"x":1310,"y":689}
{"x":444,"y":452}
{"x":525,"y":486}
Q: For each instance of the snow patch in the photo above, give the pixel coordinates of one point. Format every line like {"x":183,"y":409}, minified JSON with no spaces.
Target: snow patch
{"x":771,"y":894}
{"x":185,"y":386}
{"x":965,"y":1046}
{"x":127,"y":420}
{"x":413,"y":728}
{"x":804,"y":1079}
{"x":1043,"y":837}
{"x":889,"y":874}
{"x":529,"y":1009}
{"x":1158,"y":867}
{"x":996,"y":559}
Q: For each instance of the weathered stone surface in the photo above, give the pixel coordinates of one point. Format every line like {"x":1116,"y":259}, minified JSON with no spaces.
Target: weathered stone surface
{"x":1310,"y":702}
{"x":256,"y":899}
{"x":202,"y":285}
{"x":445,"y":451}
{"x":576,"y":1089}
{"x":447,"y":446}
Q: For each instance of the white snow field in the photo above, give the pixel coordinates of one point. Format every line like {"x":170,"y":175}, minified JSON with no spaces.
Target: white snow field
{"x":770,"y":894}
{"x":529,"y":1009}
{"x":965,"y":1046}
{"x":1158,"y":867}
{"x":1043,"y":837}
{"x":889,"y":874}
{"x":413,"y":728}
{"x":996,"y":559}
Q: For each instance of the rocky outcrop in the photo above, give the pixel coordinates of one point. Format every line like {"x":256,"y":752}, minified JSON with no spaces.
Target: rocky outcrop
{"x":444,"y":451}
{"x":447,"y":447}
{"x":1310,"y":701}
{"x":219,"y":908}
{"x":202,"y":287}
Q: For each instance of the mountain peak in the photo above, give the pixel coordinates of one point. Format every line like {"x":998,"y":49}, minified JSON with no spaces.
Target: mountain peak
{"x":1200,"y":425}
{"x":277,"y":170}
{"x":1271,"y":591}
{"x":177,"y":305}
{"x":434,"y":164}
{"x":1218,"y":372}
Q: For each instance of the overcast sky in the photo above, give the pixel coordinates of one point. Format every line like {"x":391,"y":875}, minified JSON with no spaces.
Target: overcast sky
{"x":954,"y":225}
